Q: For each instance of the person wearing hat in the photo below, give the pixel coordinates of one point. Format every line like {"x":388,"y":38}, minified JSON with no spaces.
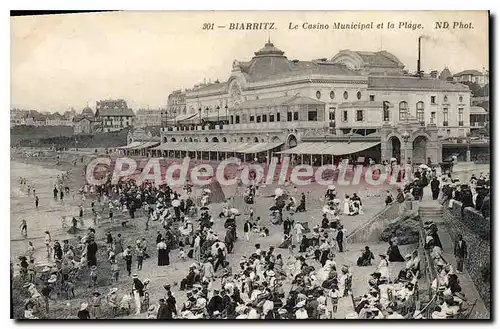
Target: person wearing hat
{"x":112,"y":300}
{"x":215,"y":303}
{"x":96,"y":304}
{"x":366,"y":257}
{"x":93,"y":276}
{"x":83,"y":313}
{"x":138,"y":292}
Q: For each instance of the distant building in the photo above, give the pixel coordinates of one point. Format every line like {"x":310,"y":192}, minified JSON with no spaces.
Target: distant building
{"x":56,"y":119}
{"x":85,"y":122}
{"x":176,"y":105}
{"x":481,"y":78}
{"x":446,"y":75}
{"x":113,"y":115}
{"x":147,"y":118}
{"x":479,"y":117}
{"x":369,"y":63}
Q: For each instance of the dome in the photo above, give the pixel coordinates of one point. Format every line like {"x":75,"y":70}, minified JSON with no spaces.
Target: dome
{"x":87,"y":112}
{"x":445,"y":75}
{"x":266,"y":62}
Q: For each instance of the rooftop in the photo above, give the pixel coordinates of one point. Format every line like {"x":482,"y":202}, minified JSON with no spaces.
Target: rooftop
{"x":414,"y":83}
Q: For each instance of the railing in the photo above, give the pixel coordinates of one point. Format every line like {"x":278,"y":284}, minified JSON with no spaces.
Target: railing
{"x":278,"y":125}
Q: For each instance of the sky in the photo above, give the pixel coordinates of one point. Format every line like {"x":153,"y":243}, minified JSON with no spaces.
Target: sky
{"x":63,"y":61}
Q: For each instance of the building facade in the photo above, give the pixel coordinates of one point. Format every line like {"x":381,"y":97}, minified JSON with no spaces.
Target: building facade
{"x":113,"y":115}
{"x":273,"y":99}
{"x":147,"y":118}
{"x":473,"y":76}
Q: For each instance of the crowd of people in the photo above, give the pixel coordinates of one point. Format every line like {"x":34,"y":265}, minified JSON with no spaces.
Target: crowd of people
{"x":306,"y":283}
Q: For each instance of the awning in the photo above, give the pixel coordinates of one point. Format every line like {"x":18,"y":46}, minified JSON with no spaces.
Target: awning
{"x":261,"y":147}
{"x":145,"y":145}
{"x":331,"y":148}
{"x":129,"y":146}
{"x":184,"y":117}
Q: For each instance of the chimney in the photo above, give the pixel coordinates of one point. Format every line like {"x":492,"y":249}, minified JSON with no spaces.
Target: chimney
{"x":418,"y":60}
{"x":434,"y":74}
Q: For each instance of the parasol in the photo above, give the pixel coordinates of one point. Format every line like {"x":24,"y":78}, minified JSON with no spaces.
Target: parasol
{"x":207,"y":191}
{"x":234,"y":211}
{"x":331,"y":187}
{"x":423,"y":166}
{"x":176,"y":203}
{"x":203,"y":208}
{"x":278,"y":192}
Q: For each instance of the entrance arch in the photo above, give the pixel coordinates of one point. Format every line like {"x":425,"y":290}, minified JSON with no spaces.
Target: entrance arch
{"x":395,"y":148}
{"x":190,"y":139}
{"x":173,"y":140}
{"x":224,"y":139}
{"x":256,"y":139}
{"x":275,"y":139}
{"x":206,"y":139}
{"x":291,"y":141}
{"x":242,"y":139}
{"x":215,"y":140}
{"x":419,"y":150}
{"x":165,"y":139}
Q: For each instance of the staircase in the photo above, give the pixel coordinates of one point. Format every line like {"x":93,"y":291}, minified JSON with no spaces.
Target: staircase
{"x":431,"y":212}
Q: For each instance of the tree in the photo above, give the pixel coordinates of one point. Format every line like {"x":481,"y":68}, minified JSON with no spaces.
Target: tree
{"x":474,"y":88}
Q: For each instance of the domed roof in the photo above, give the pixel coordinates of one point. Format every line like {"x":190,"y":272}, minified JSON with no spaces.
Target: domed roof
{"x":87,"y":112}
{"x":269,"y":49}
{"x":266,"y":62}
{"x":445,"y":74}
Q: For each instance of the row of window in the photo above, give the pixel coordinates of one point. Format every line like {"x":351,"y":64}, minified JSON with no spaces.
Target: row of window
{"x":445,"y":99}
{"x":332,"y":95}
{"x":275,"y":117}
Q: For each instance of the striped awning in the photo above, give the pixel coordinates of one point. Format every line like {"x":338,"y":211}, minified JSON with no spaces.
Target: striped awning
{"x":145,"y":145}
{"x":331,"y":148}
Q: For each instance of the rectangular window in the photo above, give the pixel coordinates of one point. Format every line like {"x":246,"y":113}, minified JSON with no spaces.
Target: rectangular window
{"x":387,"y":115}
{"x":433,"y":99}
{"x":420,"y":116}
{"x":295,"y":116}
{"x":448,"y":132}
{"x":372,"y":98}
{"x":433,"y":117}
{"x":271,"y":117}
{"x":232,"y":119}
{"x":344,"y":116}
{"x":258,"y":119}
{"x":359,"y":115}
{"x":312,"y":116}
{"x":289,"y":116}
{"x":264,"y":118}
{"x":460,"y":114}
{"x":278,"y":118}
{"x":252,"y":118}
{"x":237,"y":119}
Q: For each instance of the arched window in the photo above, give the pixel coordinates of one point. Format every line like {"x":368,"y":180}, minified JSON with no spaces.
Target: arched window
{"x":403,"y":110}
{"x":420,"y":112}
{"x":346,"y":95}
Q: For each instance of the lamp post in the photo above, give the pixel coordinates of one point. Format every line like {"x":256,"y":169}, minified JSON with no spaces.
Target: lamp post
{"x":199,"y":112}
{"x":175,"y":117}
{"x":406,"y":137}
{"x":217,"y":108}
{"x":206,"y":110}
{"x":227,"y":117}
{"x":468,"y":154}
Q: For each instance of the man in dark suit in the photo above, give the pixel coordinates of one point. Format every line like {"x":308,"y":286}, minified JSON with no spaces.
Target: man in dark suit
{"x":460,"y":252}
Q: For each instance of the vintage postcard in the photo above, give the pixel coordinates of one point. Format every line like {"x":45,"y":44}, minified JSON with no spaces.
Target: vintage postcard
{"x":272,"y":165}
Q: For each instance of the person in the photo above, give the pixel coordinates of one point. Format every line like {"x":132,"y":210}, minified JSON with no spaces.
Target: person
{"x":340,"y":238}
{"x":393,"y":253}
{"x":246,"y":229}
{"x":163,"y":253}
{"x":366,"y":257}
{"x":435,"y":188}
{"x":48,"y":240}
{"x":388,"y":199}
{"x":138,"y":292}
{"x":163,"y":311}
{"x":460,"y":252}
{"x":83,"y":313}
{"x":127,"y":255}
{"x":383,"y":267}
{"x":24,"y":227}
{"x":36,"y":202}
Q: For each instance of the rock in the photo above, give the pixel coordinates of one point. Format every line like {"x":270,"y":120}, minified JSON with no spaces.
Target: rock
{"x":405,"y":229}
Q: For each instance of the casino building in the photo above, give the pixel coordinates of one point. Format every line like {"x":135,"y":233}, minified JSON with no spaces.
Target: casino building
{"x":320,"y":111}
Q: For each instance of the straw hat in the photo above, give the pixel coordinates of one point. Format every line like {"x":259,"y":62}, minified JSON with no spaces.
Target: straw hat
{"x":45,"y":269}
{"x":135,"y":275}
{"x":84,"y":306}
{"x":282,"y":311}
{"x":93,"y":268}
{"x":113,"y":290}
{"x":151,"y":308}
{"x":146,"y":281}
{"x":53,"y":278}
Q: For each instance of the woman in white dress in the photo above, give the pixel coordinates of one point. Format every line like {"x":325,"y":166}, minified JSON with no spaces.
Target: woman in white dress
{"x":346,"y":205}
{"x":383,"y":267}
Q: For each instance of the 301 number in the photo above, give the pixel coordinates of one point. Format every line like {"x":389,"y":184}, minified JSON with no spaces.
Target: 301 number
{"x":208,"y":26}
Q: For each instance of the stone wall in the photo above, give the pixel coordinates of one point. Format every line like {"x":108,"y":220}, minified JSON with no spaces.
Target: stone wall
{"x":370,"y":231}
{"x":472,"y":219}
{"x":479,"y":248}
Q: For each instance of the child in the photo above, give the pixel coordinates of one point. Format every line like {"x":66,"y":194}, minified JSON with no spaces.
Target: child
{"x":152,"y":312}
{"x":115,"y":271}
{"x":140,"y":258}
{"x":68,"y":288}
{"x":182,"y":254}
{"x":93,"y":276}
{"x":96,"y":304}
{"x":127,"y":254}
